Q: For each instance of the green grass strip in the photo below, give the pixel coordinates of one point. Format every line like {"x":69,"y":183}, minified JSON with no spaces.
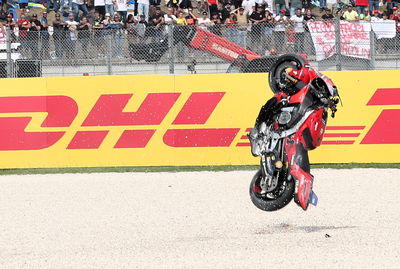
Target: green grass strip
{"x":28,"y":171}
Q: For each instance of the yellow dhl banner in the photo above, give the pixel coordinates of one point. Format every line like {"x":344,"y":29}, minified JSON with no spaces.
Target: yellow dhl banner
{"x":156,"y":120}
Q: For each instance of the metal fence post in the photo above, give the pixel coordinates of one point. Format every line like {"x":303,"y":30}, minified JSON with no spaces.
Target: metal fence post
{"x":171,"y":48}
{"x":338,"y":45}
{"x":8,"y":50}
{"x":372,"y":50}
{"x":109,"y":54}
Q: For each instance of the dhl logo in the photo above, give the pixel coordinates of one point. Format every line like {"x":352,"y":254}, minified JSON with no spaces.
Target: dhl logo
{"x":109,"y":111}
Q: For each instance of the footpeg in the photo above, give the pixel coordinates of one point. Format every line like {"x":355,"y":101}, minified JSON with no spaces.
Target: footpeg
{"x":313,"y":199}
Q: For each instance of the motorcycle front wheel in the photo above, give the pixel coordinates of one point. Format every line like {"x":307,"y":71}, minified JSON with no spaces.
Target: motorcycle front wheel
{"x":274,"y":200}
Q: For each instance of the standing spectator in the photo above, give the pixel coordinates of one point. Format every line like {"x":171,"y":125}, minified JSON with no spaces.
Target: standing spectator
{"x":98,"y":38}
{"x":279,"y":31}
{"x":157,"y":23}
{"x":212,"y":6}
{"x":109,"y":4}
{"x":122,"y":8}
{"x":181,"y":22}
{"x":23,"y":26}
{"x":215,"y":27}
{"x":225,"y":12}
{"x":71,"y":27}
{"x":231,"y":28}
{"x":376,"y":16}
{"x":45,"y":37}
{"x":204,"y":22}
{"x":143,"y":8}
{"x":396,"y":17}
{"x":34,"y":34}
{"x":322,"y":4}
{"x":257,"y":27}
{"x":142,"y":28}
{"x":298,"y":23}
{"x":309,"y":17}
{"x":100,"y":6}
{"x":185,"y":5}
{"x":84,"y":35}
{"x":117,"y":26}
{"x":10,"y":24}
{"x":79,"y":5}
{"x":365,"y":16}
{"x":201,"y":6}
{"x":59,"y":35}
{"x":328,"y":16}
{"x":269,"y":26}
{"x":350,"y":14}
{"x":361,"y":5}
{"x":249,"y":6}
{"x":241,"y":26}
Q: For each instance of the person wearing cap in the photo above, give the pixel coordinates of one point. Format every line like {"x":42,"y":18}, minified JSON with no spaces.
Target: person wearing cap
{"x":350,"y":14}
{"x":376,"y":16}
{"x":279,"y":31}
{"x":365,"y":16}
{"x":396,"y":17}
{"x":279,"y":5}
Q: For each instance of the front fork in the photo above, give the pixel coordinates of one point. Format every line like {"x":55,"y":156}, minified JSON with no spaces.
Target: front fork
{"x":299,"y":166}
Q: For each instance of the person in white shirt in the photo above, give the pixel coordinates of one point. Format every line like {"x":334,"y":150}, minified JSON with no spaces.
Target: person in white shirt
{"x":249,"y":6}
{"x":204,"y":21}
{"x":170,"y":18}
{"x":279,"y":31}
{"x":143,"y":8}
{"x":298,"y":22}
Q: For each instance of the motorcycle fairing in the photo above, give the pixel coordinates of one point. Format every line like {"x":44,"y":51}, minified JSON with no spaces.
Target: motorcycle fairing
{"x":299,"y":167}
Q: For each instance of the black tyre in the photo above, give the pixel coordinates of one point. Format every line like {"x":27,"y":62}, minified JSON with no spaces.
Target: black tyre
{"x":275,"y":200}
{"x":275,"y":75}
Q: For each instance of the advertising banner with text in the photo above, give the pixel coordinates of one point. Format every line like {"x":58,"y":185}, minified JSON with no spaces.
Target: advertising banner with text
{"x":156,"y":120}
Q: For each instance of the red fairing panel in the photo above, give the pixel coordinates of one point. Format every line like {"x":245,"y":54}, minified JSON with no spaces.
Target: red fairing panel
{"x":204,"y":40}
{"x":316,"y":125}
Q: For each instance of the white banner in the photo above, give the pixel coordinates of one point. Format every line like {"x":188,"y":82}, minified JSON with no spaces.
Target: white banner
{"x":384,"y":29}
{"x":354,"y":38}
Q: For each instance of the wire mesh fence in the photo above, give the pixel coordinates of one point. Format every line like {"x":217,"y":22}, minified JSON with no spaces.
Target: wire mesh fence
{"x":173,"y":49}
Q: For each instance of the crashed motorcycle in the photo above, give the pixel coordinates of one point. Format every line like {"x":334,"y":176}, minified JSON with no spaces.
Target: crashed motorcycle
{"x":290,"y":124}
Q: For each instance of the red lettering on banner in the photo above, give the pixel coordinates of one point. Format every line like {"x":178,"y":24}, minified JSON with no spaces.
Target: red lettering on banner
{"x":61,"y":112}
{"x":200,"y":137}
{"x":198,"y":108}
{"x":386,"y":129}
{"x":134,"y":138}
{"x":87,"y":140}
{"x":108,"y":111}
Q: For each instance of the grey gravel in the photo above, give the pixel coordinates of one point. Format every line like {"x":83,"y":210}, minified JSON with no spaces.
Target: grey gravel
{"x":196,"y":220}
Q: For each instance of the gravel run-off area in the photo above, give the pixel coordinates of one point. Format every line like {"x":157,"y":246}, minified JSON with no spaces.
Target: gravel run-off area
{"x":196,"y":220}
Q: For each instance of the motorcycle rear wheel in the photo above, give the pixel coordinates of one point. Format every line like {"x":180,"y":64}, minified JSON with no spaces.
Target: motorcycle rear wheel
{"x":284,"y":194}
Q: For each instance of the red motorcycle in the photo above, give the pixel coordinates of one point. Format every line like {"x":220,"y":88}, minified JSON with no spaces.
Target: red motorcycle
{"x":289,"y":125}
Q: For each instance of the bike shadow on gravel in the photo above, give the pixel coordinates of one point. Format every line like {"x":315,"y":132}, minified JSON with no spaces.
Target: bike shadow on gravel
{"x":285,"y":228}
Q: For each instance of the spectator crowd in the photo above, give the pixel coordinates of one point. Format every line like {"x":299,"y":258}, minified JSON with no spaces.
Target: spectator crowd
{"x":260,"y":25}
